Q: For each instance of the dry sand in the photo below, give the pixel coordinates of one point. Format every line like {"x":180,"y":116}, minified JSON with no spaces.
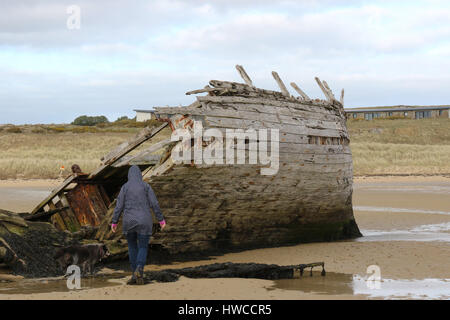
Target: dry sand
{"x":396,"y":259}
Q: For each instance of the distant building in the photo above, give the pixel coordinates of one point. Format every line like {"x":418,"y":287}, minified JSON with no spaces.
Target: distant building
{"x":412,"y":112}
{"x":144,"y":115}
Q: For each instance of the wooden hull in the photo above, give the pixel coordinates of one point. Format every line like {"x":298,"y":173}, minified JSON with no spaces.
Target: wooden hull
{"x":213,"y":207}
{"x":229,"y":206}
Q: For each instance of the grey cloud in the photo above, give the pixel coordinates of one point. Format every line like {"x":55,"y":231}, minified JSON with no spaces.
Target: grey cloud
{"x":148,"y":53}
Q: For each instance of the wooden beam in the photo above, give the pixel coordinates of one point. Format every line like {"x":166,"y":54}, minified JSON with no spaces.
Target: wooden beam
{"x":54,"y":193}
{"x":205,"y":89}
{"x":280,"y":84}
{"x":324,"y":90}
{"x":57,"y":217}
{"x":329,"y":90}
{"x":244,"y":75}
{"x":44,"y":215}
{"x":114,"y":151}
{"x":150,"y":150}
{"x":300,"y":91}
{"x":145,"y":135}
{"x":342,"y":97}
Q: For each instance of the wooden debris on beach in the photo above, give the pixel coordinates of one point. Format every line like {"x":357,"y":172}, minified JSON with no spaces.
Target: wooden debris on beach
{"x":27,"y":247}
{"x":233,"y":270}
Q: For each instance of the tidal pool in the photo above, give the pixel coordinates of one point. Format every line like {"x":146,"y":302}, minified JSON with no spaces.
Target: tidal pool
{"x":335,"y":284}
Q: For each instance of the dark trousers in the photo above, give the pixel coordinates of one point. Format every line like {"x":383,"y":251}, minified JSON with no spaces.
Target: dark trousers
{"x":137,"y":249}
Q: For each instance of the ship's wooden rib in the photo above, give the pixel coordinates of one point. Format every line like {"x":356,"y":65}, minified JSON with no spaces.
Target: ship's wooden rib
{"x":253,"y":113}
{"x":324,"y":90}
{"x":144,"y":155}
{"x":300,"y":91}
{"x":280,"y":84}
{"x":53,"y":194}
{"x":144,"y":135}
{"x":244,"y":75}
{"x":330,"y":93}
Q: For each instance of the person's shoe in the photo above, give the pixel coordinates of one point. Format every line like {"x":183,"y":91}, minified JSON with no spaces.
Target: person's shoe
{"x":139,"y":275}
{"x":132,"y":279}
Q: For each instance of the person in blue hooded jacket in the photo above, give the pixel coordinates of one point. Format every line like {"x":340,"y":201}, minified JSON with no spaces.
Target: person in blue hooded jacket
{"x":135,"y":200}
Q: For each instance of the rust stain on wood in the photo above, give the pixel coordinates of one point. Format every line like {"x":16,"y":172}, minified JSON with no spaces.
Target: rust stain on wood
{"x":87,"y":204}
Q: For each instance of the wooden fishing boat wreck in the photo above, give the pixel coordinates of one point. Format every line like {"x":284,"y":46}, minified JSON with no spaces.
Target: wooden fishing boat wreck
{"x":213,"y":206}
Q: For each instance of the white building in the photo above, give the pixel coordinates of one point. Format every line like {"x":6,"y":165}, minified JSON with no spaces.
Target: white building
{"x":144,"y":115}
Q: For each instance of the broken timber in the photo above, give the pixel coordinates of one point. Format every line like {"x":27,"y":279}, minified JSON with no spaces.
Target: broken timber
{"x":233,"y":270}
{"x":87,"y":201}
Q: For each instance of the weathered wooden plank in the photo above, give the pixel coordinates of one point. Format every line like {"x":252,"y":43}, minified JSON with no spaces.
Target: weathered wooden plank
{"x":43,"y":215}
{"x":300,"y":105}
{"x":324,"y":90}
{"x":143,"y":154}
{"x":230,"y":111}
{"x":56,"y":218}
{"x":161,"y":169}
{"x":73,"y":221}
{"x":287,"y":128}
{"x":244,"y":88}
{"x":66,"y":182}
{"x":254,"y":111}
{"x":289,"y":156}
{"x":206,"y":89}
{"x":342,"y":97}
{"x":280,"y":84}
{"x":145,"y":134}
{"x":330,"y":92}
{"x":300,"y":91}
{"x":244,"y":75}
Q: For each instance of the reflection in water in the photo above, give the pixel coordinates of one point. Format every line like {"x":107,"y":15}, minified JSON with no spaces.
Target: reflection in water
{"x":428,"y":232}
{"x":48,"y":285}
{"x":333,"y":283}
{"x":386,"y":209}
{"x":346,"y":284}
{"x":412,"y":289}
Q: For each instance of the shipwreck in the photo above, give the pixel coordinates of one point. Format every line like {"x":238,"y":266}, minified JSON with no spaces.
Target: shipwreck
{"x":217,"y":207}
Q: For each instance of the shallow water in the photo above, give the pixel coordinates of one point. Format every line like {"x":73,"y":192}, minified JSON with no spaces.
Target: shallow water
{"x":431,"y":232}
{"x":346,"y":284}
{"x":408,"y":200}
{"x":22,"y":199}
{"x":403,"y":210}
{"x":46,"y":285}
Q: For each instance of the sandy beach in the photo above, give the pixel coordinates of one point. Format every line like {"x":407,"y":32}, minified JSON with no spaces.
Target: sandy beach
{"x":405,"y":220}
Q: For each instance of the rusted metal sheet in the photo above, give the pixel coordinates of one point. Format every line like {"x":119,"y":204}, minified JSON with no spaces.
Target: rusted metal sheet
{"x":87,"y":204}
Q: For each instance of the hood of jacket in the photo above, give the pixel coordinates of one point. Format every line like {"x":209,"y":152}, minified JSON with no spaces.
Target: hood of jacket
{"x":134,"y":174}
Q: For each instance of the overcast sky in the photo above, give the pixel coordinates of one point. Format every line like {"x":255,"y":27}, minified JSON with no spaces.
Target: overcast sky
{"x":141,"y":54}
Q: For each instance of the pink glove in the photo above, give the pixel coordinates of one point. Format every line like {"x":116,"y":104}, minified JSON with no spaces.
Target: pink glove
{"x":114,"y":225}
{"x":162,"y":223}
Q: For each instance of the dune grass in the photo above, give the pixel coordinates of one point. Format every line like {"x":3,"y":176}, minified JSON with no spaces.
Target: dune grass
{"x":400,"y":146}
{"x":36,"y":154}
{"x":31,"y":155}
{"x":379,"y":146}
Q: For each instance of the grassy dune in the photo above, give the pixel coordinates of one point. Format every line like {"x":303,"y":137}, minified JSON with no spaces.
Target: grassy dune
{"x":31,"y":155}
{"x":33,"y":152}
{"x":379,"y":147}
{"x":400,"y":146}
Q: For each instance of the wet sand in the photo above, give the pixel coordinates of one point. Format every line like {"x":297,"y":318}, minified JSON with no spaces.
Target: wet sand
{"x":406,"y":221}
